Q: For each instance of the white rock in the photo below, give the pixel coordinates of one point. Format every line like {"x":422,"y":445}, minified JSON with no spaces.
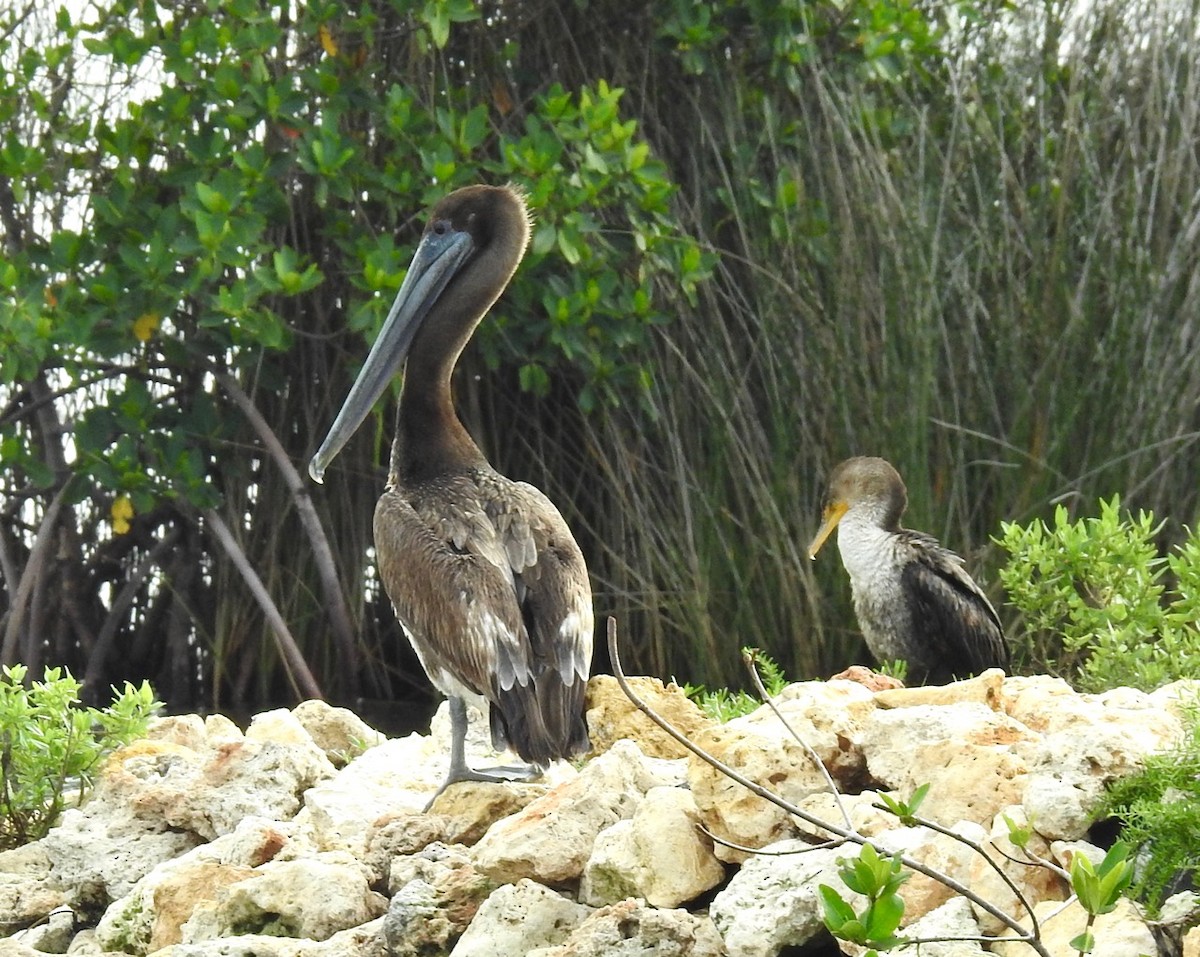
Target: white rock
{"x":765,"y":753}
{"x":393,"y":778}
{"x":152,"y":914}
{"x":363,"y":941}
{"x":967,"y":753}
{"x":1091,"y":741}
{"x":312,"y":898}
{"x":26,"y":892}
{"x":101,"y":850}
{"x":1121,"y":933}
{"x":659,"y":855}
{"x":339,"y":732}
{"x":551,"y":839}
{"x":518,"y":918}
{"x":772,"y":902}
{"x":630,"y":928}
{"x":951,"y":919}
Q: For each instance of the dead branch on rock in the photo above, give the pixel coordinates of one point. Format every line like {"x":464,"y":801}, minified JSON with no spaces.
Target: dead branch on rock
{"x":847,"y":834}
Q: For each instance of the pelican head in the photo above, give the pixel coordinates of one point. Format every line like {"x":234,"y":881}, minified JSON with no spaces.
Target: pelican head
{"x":468,"y":252}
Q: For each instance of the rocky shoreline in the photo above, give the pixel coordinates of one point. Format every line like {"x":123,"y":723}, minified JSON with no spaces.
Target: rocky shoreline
{"x":304,"y":836}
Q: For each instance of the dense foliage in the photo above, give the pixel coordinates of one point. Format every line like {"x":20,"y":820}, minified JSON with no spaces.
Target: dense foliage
{"x":768,"y":235}
{"x":1159,"y":808}
{"x":1095,"y":601}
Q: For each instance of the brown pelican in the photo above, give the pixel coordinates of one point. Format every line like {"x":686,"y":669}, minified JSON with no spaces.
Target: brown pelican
{"x":484,"y":575}
{"x":913,"y":598}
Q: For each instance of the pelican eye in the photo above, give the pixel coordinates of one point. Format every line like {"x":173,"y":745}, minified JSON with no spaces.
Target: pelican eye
{"x":441,"y":227}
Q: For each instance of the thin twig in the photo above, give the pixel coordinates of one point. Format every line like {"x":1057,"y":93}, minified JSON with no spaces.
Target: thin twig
{"x":816,"y":758}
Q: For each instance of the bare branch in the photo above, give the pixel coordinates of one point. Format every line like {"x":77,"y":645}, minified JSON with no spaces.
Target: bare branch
{"x":335,"y":600}
{"x":298,"y":671}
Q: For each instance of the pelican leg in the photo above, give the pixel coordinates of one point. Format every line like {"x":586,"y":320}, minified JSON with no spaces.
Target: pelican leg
{"x":460,"y":771}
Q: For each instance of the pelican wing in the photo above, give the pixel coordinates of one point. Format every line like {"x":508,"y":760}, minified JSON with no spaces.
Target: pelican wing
{"x":952,"y":611}
{"x":492,"y":589}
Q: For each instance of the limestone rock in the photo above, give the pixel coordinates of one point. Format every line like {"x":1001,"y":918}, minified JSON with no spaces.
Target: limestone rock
{"x":631,"y":929}
{"x":519,"y":918}
{"x":658,"y":855}
{"x":399,"y":776}
{"x":772,"y":902}
{"x":391,"y":780}
{"x":14,"y":948}
{"x":365,"y":940}
{"x":951,"y":919}
{"x":152,"y":914}
{"x":985,"y":689}
{"x":435,"y":896}
{"x":1034,"y":883}
{"x":53,"y":936}
{"x":612,"y":717}
{"x":101,"y":850}
{"x":312,"y":898}
{"x":26,"y":892}
{"x":766,"y":754}
{"x":550,"y":840}
{"x":967,"y":753}
{"x":865,"y":817}
{"x":1089,"y":741}
{"x":398,"y":836}
{"x":339,"y":732}
{"x":469,"y":808}
{"x":1121,"y":933}
{"x":208,"y":792}
{"x":185,"y":730}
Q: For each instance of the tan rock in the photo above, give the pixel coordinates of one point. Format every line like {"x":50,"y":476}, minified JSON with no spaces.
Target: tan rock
{"x":183,"y":729}
{"x":1035,"y":883}
{"x":468,"y":809}
{"x":612,"y":717}
{"x":1121,"y":933}
{"x":209,"y":792}
{"x":311,"y":898}
{"x":631,"y":927}
{"x":967,"y":753}
{"x":551,"y":839}
{"x":339,"y":732}
{"x":1191,"y":943}
{"x":985,"y":689}
{"x":176,"y":898}
{"x":774,"y":746}
{"x":628,"y":858}
{"x":151,"y":914}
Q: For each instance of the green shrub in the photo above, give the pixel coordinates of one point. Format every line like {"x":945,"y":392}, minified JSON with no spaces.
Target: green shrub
{"x":1096,"y":603}
{"x":1160,"y":809}
{"x":50,"y":747}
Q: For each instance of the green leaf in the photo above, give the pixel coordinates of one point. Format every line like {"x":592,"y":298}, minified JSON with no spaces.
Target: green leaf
{"x":884,"y":916}
{"x":836,"y":911}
